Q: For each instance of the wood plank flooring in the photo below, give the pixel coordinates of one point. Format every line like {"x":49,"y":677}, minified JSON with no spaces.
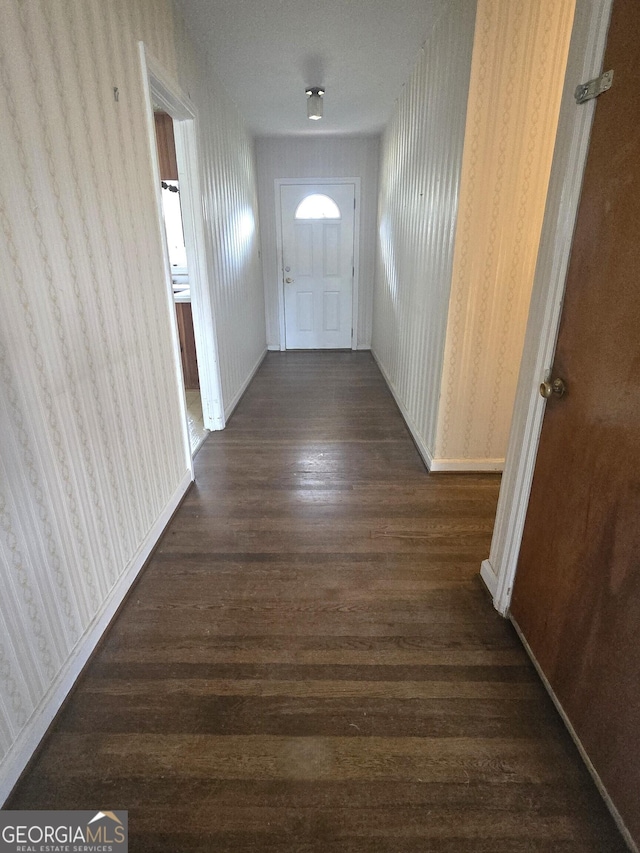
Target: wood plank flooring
{"x":310,"y":662}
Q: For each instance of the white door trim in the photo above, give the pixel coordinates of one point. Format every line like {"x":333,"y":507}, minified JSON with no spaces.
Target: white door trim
{"x":160,"y":88}
{"x":279,"y":182}
{"x":584,"y":62}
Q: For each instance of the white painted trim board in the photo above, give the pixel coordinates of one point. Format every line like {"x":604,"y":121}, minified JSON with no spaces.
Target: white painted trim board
{"x":489,"y":577}
{"x":467,"y":466}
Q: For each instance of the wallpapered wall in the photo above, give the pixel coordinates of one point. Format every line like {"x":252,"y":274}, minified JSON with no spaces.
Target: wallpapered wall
{"x":460,"y":214}
{"x":229,"y":186}
{"x":91,"y":451}
{"x":519,"y":57}
{"x":421,"y":158}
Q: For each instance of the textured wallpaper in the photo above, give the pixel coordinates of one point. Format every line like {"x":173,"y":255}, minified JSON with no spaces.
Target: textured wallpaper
{"x":421,"y":159}
{"x":519,"y":58}
{"x":91,"y":446}
{"x":460,"y":213}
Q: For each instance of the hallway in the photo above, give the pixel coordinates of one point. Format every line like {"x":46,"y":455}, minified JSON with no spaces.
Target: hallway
{"x":310,"y":661}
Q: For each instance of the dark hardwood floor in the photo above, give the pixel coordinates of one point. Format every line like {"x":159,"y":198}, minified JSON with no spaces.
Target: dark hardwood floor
{"x":310,"y":661}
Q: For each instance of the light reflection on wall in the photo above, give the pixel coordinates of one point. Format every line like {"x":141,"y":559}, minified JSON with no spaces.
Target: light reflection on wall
{"x":244,"y":228}
{"x":387,"y":250}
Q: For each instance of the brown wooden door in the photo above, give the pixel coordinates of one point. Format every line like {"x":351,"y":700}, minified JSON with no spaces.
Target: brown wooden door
{"x":576,"y":596}
{"x":166,"y":146}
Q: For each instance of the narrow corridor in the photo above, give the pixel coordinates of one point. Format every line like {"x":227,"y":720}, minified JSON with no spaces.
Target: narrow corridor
{"x":310,"y":661}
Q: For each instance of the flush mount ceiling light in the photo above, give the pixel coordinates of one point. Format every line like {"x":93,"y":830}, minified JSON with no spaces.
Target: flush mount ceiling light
{"x":314,"y":102}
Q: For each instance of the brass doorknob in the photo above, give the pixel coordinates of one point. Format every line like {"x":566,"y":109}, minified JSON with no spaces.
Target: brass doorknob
{"x":555,"y":387}
{"x":288,"y":280}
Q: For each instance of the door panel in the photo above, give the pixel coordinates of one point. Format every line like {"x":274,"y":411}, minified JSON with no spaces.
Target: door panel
{"x":304,"y":311}
{"x":303,"y":236}
{"x":317,"y":270}
{"x":576,"y":595}
{"x":331,"y":253}
{"x":331,"y":311}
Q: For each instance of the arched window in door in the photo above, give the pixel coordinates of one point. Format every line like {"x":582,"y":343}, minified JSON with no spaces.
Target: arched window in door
{"x":317,"y":206}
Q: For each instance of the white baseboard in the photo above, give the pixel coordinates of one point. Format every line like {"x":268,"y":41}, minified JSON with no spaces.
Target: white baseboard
{"x":583,"y":753}
{"x":277,"y":347}
{"x":468,"y":466}
{"x":422,"y":448}
{"x":238,"y":395}
{"x":36,"y":727}
{"x":489,"y":577}
{"x":435,"y":465}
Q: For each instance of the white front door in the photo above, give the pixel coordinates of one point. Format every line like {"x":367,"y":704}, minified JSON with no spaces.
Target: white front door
{"x":317,"y":264}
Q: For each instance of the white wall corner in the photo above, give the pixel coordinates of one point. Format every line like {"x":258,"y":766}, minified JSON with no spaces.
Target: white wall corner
{"x":421,"y":446}
{"x":228,"y":409}
{"x":44,"y":714}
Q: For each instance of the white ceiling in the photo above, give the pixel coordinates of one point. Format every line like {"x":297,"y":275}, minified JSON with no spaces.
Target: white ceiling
{"x":266,"y":52}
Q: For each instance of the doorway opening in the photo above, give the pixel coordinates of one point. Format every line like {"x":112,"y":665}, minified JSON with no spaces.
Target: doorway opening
{"x":174,"y":233}
{"x":173,"y":145}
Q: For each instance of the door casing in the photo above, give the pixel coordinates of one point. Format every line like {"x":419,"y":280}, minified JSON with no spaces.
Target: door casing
{"x":586,"y":53}
{"x":161,"y":89}
{"x":279,"y":182}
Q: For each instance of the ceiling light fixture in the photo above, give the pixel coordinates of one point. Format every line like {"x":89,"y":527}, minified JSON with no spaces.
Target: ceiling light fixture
{"x":314,"y":102}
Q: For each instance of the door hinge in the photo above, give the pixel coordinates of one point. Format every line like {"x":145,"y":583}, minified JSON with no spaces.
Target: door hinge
{"x":592,"y":88}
